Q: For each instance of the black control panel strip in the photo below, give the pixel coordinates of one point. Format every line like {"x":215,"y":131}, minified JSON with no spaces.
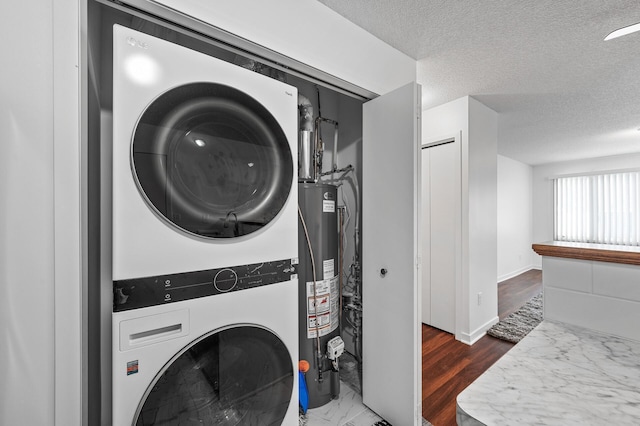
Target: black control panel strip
{"x":159,"y":290}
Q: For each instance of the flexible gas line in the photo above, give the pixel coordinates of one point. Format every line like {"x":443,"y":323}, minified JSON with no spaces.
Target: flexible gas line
{"x":315,"y":299}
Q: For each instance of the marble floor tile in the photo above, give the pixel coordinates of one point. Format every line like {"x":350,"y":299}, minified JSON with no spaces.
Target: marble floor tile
{"x":347,"y":410}
{"x":366,"y":418}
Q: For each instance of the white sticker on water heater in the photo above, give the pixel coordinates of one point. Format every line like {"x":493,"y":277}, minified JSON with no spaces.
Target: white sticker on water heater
{"x":328,"y":269}
{"x":328,"y":206}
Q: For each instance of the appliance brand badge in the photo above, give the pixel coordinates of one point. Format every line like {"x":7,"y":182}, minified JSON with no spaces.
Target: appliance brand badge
{"x":328,"y":196}
{"x":132,"y":367}
{"x":137,"y":43}
{"x":288,"y":93}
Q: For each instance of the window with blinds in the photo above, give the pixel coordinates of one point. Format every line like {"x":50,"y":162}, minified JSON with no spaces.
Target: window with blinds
{"x":601,"y":208}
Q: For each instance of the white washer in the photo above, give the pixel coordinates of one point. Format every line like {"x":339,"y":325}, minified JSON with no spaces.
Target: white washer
{"x":203,"y":161}
{"x":204,"y":322}
{"x":188,"y":363}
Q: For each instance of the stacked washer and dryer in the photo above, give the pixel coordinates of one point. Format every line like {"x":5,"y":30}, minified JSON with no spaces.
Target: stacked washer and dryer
{"x":205,"y":313}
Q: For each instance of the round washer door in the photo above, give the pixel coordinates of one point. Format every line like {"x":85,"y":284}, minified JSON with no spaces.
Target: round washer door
{"x":212,"y":161}
{"x":238,"y":376}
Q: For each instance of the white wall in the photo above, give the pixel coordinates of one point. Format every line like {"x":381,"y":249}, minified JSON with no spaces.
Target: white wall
{"x":26,"y":232}
{"x":482,"y":160}
{"x":40,"y":309}
{"x":444,"y":120}
{"x":543,"y":189}
{"x":515,"y":226}
{"x":478,"y":127}
{"x":310,"y":32}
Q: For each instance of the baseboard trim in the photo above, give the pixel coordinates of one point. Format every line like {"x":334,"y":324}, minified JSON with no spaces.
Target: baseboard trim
{"x":471,"y":338}
{"x":516,"y":273}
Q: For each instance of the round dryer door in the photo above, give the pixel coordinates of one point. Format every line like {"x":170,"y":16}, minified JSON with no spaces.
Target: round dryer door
{"x":212,"y":160}
{"x":238,"y":376}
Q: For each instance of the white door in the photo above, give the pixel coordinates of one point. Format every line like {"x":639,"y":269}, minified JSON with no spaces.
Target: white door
{"x":391,"y":323}
{"x":440,"y":231}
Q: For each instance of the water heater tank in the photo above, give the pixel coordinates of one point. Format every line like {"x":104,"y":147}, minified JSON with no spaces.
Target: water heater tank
{"x":319,"y":308}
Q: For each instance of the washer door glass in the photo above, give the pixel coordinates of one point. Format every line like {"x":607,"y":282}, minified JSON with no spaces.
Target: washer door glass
{"x":239,"y":376}
{"x":212,"y":160}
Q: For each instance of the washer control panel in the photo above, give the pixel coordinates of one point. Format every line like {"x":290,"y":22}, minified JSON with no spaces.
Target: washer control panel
{"x":150,"y":291}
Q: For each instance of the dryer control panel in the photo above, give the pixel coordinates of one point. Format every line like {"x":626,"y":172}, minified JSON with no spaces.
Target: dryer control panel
{"x":158,"y":290}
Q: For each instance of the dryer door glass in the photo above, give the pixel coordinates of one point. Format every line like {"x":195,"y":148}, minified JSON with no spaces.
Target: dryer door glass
{"x":239,"y":376}
{"x":212,"y":160}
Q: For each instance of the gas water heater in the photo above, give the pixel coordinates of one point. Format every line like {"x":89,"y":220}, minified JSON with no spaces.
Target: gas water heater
{"x":319,"y":268}
{"x":319,"y":291}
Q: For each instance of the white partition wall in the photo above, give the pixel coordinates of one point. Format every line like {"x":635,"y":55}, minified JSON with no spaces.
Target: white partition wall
{"x":601,"y":296}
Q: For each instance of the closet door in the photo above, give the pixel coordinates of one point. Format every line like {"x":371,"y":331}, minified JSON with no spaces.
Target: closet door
{"x":392,"y":360}
{"x":441,"y":232}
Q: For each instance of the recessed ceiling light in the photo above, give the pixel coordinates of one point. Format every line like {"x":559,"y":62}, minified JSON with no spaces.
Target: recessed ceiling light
{"x":623,"y":31}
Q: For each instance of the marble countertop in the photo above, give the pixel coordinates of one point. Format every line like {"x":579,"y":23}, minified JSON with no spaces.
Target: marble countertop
{"x":558,"y":375}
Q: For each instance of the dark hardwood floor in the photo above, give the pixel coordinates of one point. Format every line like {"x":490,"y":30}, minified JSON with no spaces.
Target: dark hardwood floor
{"x":449,"y":366}
{"x":515,"y":292}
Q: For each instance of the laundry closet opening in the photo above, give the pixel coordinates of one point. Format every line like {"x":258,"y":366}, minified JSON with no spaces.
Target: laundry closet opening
{"x":328,"y":138}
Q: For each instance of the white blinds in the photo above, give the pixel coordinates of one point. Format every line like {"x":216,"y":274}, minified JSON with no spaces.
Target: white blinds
{"x":598,"y":208}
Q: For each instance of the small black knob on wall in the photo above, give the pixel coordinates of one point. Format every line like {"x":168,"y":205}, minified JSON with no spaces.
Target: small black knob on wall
{"x":383,"y":272}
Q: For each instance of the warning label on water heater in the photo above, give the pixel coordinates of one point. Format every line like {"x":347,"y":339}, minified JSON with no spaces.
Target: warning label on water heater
{"x":323,"y":310}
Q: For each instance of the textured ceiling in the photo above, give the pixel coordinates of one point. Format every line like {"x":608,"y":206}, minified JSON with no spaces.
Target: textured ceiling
{"x":561,"y":91}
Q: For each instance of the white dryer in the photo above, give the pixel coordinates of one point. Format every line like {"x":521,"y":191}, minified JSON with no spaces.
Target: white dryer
{"x":204,"y":239}
{"x":226,"y":359}
{"x":203,"y":161}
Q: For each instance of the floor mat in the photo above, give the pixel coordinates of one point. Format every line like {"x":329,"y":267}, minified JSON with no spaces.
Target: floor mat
{"x":517,"y":325}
